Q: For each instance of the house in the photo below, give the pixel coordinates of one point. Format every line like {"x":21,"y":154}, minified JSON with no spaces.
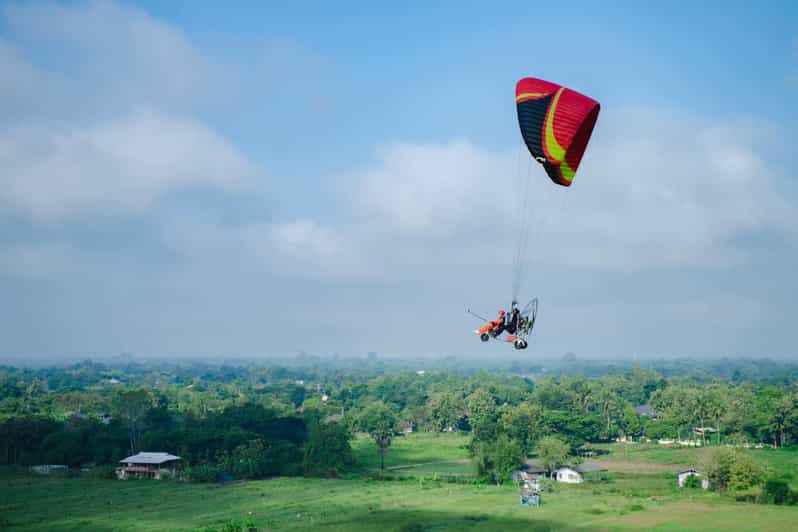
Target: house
{"x":575,"y":474}
{"x":693,"y":472}
{"x":149,"y":465}
{"x":407,"y":426}
{"x":646,"y":410}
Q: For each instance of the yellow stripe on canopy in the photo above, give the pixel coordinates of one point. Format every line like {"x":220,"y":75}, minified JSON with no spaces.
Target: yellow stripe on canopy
{"x":552,"y":146}
{"x":530,"y":96}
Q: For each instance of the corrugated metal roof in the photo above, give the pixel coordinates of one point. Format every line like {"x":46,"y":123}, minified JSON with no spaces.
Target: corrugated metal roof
{"x":588,"y":468}
{"x":150,"y":458}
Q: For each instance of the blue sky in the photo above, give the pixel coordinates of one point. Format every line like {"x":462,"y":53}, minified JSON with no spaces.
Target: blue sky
{"x":196,"y":179}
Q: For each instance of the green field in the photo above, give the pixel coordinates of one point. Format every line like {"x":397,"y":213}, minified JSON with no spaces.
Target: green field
{"x":628,"y":500}
{"x":420,"y":453}
{"x":778,"y":460}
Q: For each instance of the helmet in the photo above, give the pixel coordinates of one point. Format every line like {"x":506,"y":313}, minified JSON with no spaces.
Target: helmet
{"x":501,"y":312}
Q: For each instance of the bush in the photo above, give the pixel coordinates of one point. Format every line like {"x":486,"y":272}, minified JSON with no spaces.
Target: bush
{"x":728,"y":468}
{"x":497,"y":460}
{"x":693,"y":482}
{"x":104,"y":472}
{"x":776,"y":491}
{"x":204,"y":473}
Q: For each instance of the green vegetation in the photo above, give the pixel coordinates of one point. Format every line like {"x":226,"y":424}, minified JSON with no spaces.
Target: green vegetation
{"x":626,"y":501}
{"x":331,"y":445}
{"x":414,"y":449}
{"x":552,"y":453}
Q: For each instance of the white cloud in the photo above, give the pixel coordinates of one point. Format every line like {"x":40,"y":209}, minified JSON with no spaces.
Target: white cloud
{"x":96,"y":113}
{"x":433,"y":189}
{"x":122,"y":165}
{"x":654,"y":189}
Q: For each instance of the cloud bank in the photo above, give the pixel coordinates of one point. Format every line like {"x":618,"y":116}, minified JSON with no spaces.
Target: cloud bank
{"x":107,"y":127}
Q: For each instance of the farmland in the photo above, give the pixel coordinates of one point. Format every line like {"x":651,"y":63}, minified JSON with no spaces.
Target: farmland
{"x":417,"y":501}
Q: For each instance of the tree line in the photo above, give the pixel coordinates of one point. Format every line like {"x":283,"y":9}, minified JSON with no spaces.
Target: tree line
{"x":254,"y":421}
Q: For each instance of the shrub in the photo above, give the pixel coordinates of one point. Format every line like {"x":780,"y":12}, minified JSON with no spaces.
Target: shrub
{"x":776,"y":491}
{"x":728,"y":468}
{"x":204,"y":473}
{"x":103,"y":472}
{"x":693,"y":482}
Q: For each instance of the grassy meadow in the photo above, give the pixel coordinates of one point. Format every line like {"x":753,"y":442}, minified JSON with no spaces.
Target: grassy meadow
{"x":412,"y":501}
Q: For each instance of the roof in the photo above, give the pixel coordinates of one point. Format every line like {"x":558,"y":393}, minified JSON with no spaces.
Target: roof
{"x":533,"y":466}
{"x":645,"y":410}
{"x":588,"y":468}
{"x":150,"y":458}
{"x":584,"y":468}
{"x":691,"y":470}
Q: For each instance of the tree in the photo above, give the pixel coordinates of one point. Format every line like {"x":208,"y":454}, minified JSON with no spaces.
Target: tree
{"x":327,"y":452}
{"x":776,"y":491}
{"x":608,"y":401}
{"x":482,"y":406}
{"x":631,"y":423}
{"x":552,"y":452}
{"x":716,"y":406}
{"x":445,"y":409}
{"x":132,"y":406}
{"x":379,"y":420}
{"x":782,"y":418}
{"x":745,"y":472}
{"x":717,"y":466}
{"x":483,"y":417}
{"x":727,"y":468}
{"x":497,"y":460}
{"x":524,"y":423}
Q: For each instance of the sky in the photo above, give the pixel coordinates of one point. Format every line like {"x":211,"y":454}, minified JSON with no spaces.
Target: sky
{"x":194,"y":179}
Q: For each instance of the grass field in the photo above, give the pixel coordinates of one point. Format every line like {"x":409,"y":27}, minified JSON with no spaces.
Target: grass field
{"x":647,"y":499}
{"x":419,"y":453}
{"x":784,"y":460}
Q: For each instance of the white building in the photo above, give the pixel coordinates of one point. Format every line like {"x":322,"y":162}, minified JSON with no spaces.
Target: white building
{"x":575,"y":474}
{"x":693,"y":472}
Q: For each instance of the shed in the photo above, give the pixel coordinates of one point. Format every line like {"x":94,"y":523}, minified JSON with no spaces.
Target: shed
{"x":574,"y":474}
{"x":693,"y":472}
{"x":148,"y":465}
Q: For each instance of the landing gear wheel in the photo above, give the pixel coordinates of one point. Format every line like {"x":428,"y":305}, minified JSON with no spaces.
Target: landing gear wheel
{"x":520,"y":344}
{"x":484,"y":337}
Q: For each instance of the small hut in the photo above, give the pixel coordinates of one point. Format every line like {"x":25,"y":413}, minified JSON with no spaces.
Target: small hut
{"x":149,"y":465}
